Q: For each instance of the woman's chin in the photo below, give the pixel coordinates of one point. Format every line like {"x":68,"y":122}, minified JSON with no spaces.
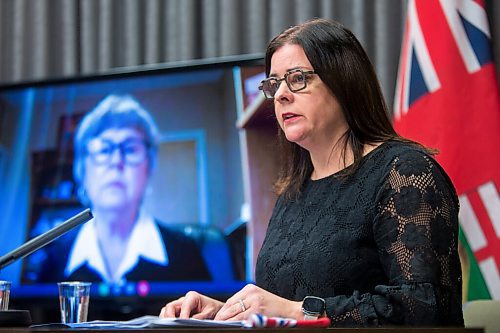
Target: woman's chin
{"x":295,"y":137}
{"x":113,"y":205}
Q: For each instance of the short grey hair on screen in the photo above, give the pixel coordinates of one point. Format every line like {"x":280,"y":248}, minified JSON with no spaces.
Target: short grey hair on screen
{"x":114,"y":111}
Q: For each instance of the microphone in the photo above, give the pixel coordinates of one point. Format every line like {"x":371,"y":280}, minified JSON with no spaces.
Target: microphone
{"x":22,"y":317}
{"x":45,"y":238}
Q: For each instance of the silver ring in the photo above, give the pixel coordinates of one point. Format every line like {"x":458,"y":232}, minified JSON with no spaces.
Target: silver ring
{"x":242,"y":305}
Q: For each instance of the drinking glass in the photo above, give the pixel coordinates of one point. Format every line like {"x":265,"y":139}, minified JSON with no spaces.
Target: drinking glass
{"x":74,"y":301}
{"x":4,"y":295}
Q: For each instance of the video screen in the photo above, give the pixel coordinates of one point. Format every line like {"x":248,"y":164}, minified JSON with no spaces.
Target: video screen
{"x":156,"y":157}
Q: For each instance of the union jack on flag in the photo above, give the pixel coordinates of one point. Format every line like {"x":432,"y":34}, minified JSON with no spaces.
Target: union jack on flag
{"x":447,"y":98}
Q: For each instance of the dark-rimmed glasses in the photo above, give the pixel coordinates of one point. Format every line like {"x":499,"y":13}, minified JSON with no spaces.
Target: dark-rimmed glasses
{"x":132,"y":151}
{"x":296,"y":80}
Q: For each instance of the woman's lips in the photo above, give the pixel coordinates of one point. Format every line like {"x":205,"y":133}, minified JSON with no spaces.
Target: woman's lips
{"x":289,"y":117}
{"x":115,"y":184}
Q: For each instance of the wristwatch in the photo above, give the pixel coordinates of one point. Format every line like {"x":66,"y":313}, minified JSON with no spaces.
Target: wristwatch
{"x":313,"y":307}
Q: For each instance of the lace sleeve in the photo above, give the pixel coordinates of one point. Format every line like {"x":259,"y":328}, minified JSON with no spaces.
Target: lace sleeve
{"x":415,"y":230}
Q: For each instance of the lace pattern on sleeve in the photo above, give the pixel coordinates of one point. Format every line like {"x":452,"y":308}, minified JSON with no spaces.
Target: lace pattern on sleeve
{"x":417,"y":224}
{"x":417,"y":232}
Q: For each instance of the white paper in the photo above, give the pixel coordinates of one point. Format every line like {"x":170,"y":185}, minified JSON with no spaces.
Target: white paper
{"x":154,"y":321}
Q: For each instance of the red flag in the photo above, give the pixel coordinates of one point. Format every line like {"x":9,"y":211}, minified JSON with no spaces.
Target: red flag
{"x":447,"y":98}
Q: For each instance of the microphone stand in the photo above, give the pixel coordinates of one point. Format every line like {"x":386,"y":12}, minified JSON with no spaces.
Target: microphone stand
{"x":23,"y":317}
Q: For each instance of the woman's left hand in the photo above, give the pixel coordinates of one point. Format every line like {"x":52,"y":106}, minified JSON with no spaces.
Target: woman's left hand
{"x":252,"y":299}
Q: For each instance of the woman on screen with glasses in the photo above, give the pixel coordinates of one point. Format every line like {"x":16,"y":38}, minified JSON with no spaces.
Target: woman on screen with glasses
{"x":364,"y":230}
{"x":115,"y":152}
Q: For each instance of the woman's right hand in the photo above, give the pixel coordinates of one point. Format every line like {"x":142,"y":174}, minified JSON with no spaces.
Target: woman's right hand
{"x":193,"y":305}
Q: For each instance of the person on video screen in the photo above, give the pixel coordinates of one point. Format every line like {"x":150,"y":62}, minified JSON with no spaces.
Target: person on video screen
{"x":115,"y":151}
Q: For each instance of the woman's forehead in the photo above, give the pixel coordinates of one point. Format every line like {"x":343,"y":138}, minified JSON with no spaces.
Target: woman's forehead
{"x":121,"y":133}
{"x":288,"y":57}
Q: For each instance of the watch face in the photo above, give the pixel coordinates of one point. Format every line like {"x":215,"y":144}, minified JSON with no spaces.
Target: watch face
{"x":313,"y":304}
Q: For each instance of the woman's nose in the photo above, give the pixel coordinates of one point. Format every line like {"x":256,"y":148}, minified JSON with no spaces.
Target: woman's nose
{"x":283,"y":94}
{"x":117,"y":157}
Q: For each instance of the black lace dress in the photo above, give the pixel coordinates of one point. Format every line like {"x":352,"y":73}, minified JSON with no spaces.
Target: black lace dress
{"x":381,"y":247}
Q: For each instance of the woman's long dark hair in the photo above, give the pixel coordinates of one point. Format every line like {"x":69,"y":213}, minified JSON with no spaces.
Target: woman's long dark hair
{"x":343,"y":65}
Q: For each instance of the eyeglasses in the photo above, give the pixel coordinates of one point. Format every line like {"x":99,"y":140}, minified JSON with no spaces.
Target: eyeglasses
{"x":295,"y":79}
{"x":132,"y":151}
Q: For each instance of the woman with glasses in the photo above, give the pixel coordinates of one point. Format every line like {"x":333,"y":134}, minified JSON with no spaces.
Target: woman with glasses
{"x":364,"y":230}
{"x":115,"y":152}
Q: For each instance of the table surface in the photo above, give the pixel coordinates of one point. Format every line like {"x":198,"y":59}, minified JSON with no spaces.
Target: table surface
{"x":239,"y":330}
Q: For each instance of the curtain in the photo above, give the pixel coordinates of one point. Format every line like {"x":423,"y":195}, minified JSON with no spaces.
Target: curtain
{"x":47,"y":39}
